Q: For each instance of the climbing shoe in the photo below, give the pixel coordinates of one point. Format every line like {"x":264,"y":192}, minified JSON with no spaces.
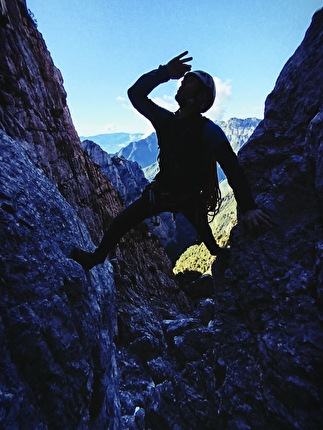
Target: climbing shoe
{"x":224,"y":256}
{"x":221,"y":263}
{"x":86,"y":259}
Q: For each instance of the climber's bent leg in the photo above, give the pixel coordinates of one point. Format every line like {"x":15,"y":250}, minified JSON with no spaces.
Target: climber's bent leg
{"x":121,"y":224}
{"x":200,"y":223}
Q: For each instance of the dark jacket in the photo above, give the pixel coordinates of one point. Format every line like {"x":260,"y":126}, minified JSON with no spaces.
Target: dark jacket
{"x":188,"y":146}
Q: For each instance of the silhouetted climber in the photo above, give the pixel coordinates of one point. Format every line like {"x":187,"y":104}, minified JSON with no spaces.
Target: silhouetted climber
{"x":190,"y":145}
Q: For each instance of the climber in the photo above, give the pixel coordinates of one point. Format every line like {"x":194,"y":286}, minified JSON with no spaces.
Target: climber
{"x":190,"y":145}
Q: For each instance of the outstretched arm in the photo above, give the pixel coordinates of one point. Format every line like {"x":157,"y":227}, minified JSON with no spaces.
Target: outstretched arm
{"x":253,"y":218}
{"x":138,"y":93}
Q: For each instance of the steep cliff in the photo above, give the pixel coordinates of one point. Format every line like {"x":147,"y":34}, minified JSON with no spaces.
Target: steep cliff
{"x":126,"y":176}
{"x":58,"y":365}
{"x":57,"y":324}
{"x":273,"y":289}
{"x":33,"y":109}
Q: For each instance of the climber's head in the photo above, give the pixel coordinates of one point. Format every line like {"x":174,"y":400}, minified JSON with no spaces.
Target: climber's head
{"x":198,"y":89}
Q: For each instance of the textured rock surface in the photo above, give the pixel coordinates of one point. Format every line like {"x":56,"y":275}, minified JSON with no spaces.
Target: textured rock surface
{"x":33,"y":108}
{"x":279,"y":275}
{"x":126,"y":176}
{"x":58,"y":367}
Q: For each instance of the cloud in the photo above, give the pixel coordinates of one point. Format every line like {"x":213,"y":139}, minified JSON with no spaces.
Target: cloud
{"x":223,"y":95}
{"x":124,"y":102}
{"x":92,"y":129}
{"x":217,"y":111}
{"x":167,"y":102}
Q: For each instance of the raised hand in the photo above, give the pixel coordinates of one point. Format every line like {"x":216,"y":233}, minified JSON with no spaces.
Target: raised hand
{"x":177,"y":67}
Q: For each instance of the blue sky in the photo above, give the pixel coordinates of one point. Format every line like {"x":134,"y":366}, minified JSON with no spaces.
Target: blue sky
{"x":103,"y":46}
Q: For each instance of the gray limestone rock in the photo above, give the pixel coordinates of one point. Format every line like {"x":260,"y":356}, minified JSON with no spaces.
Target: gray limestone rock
{"x":57,"y":322}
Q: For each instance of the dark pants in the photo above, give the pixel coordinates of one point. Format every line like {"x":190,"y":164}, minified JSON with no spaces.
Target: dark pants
{"x":153,"y":203}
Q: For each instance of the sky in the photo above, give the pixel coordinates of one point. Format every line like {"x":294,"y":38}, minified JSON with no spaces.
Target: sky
{"x":103,"y":46}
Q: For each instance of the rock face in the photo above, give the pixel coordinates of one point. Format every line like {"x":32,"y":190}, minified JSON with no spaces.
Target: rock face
{"x":33,"y":109}
{"x":159,"y":356}
{"x":275,"y":282}
{"x":57,"y":324}
{"x":126,"y":176}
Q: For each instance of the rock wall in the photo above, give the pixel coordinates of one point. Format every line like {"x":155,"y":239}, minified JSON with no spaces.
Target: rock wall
{"x":273,"y":288}
{"x":58,"y":367}
{"x":126,"y":176}
{"x":33,"y":108}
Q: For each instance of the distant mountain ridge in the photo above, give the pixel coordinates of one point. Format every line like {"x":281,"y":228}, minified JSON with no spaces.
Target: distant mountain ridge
{"x":238,"y":131}
{"x":112,"y":142}
{"x":144,"y":152}
{"x":126,"y":176}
